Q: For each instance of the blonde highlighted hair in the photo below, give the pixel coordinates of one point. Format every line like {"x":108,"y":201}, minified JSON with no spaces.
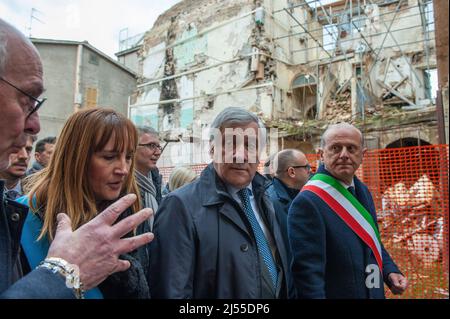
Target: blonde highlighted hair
{"x":63,"y":186}
{"x":181,"y":176}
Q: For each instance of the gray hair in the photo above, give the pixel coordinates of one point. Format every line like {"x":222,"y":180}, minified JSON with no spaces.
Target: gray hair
{"x":237,"y":115}
{"x":285,"y":159}
{"x":333,"y":127}
{"x":3,"y":50}
{"x":147,"y":130}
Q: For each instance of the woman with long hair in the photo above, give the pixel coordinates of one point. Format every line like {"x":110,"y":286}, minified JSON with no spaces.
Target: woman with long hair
{"x":91,"y":167}
{"x":181,"y":176}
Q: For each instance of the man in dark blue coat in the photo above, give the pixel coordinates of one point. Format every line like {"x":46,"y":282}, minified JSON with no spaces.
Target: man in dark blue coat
{"x":291,"y":173}
{"x":218,"y":237}
{"x":76,"y":259}
{"x":336,"y":253}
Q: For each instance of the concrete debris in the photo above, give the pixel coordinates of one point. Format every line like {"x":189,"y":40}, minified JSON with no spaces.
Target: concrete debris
{"x":339,"y":109}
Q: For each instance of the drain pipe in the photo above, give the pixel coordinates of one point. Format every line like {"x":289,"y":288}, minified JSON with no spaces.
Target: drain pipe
{"x":78,"y":99}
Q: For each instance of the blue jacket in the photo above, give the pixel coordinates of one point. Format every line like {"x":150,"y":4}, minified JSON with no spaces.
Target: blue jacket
{"x":329,"y":259}
{"x":281,"y":200}
{"x":39,"y":283}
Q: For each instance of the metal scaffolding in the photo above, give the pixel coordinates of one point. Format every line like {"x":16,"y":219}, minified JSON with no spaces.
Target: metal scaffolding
{"x":344,"y":13}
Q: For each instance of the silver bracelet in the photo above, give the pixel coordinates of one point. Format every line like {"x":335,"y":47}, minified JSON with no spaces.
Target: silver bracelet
{"x":68,"y":271}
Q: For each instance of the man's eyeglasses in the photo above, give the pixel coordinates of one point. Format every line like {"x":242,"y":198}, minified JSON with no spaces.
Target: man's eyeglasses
{"x":307,"y":166}
{"x":36,"y":103}
{"x":152,"y":146}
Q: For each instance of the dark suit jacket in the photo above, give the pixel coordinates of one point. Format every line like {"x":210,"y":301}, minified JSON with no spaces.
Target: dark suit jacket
{"x":281,"y":201}
{"x":329,"y":259}
{"x":40,"y":283}
{"x":204,"y":246}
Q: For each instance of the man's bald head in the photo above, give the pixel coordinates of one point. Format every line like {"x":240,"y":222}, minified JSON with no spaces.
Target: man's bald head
{"x":286,"y":158}
{"x":10,"y":37}
{"x":336,"y":127}
{"x":342,"y":151}
{"x":21,"y":80}
{"x":4,"y":27}
{"x":291,"y":166}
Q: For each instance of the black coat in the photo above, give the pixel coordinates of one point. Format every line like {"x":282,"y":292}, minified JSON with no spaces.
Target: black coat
{"x":129,"y":284}
{"x":281,"y":200}
{"x":204,"y":246}
{"x":157,"y":181}
{"x":41,"y":283}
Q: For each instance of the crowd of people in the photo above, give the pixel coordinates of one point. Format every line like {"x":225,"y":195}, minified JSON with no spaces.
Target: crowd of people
{"x":92,"y":218}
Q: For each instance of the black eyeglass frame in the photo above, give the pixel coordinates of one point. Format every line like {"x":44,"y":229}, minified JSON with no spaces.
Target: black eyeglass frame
{"x":307,"y":166}
{"x":37,"y":101}
{"x":152,"y":146}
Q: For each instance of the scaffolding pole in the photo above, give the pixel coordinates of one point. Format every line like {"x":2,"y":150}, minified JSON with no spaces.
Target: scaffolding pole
{"x":312,"y":37}
{"x":295,"y":6}
{"x":380,"y":48}
{"x":340,"y":24}
{"x":344,"y":23}
{"x":324,"y":60}
{"x":351,"y":40}
{"x":425,"y":33}
{"x":338,"y":43}
{"x":398,"y":46}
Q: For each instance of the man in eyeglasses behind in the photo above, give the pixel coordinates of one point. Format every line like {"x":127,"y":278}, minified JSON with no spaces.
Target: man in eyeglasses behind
{"x":18,"y":163}
{"x":76,"y":259}
{"x":147,"y":174}
{"x":291,"y":173}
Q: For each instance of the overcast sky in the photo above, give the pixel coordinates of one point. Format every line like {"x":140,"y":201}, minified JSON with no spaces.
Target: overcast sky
{"x":97,"y":21}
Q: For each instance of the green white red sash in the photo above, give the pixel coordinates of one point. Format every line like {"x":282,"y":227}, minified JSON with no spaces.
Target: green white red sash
{"x":349,"y":209}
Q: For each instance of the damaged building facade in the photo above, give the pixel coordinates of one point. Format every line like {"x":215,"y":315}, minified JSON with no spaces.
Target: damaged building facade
{"x":299,"y":65}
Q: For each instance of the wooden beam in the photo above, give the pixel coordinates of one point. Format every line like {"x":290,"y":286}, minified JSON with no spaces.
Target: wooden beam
{"x":396,"y":93}
{"x":388,"y":62}
{"x":396,"y":85}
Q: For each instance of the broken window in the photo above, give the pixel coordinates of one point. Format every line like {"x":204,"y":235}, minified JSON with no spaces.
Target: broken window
{"x":304,"y":88}
{"x":330,"y":35}
{"x":94,"y":59}
{"x":430,"y":83}
{"x":339,"y":35}
{"x":360,"y":96}
{"x":429,"y":14}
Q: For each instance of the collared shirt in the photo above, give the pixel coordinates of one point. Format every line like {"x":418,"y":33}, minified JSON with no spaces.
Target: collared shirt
{"x":292,"y":192}
{"x":17,"y":189}
{"x":233,"y":192}
{"x":341,"y":182}
{"x":346,"y":185}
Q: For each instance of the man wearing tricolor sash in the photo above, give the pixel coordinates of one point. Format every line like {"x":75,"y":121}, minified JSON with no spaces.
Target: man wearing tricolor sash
{"x":333,"y":231}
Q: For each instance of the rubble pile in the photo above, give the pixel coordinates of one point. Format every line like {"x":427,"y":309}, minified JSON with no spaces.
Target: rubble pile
{"x":339,"y":108}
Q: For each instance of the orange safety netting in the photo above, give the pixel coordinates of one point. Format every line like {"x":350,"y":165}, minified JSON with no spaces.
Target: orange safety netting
{"x":410,"y":190}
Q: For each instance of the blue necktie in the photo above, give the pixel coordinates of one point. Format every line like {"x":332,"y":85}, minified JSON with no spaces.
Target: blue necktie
{"x":261,"y":241}
{"x":351,"y":189}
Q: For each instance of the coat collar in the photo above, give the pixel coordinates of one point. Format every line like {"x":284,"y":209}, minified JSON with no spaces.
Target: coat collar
{"x":283,"y":191}
{"x":323,"y":170}
{"x":214,"y":190}
{"x":362,"y":195}
{"x":37,"y":166}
